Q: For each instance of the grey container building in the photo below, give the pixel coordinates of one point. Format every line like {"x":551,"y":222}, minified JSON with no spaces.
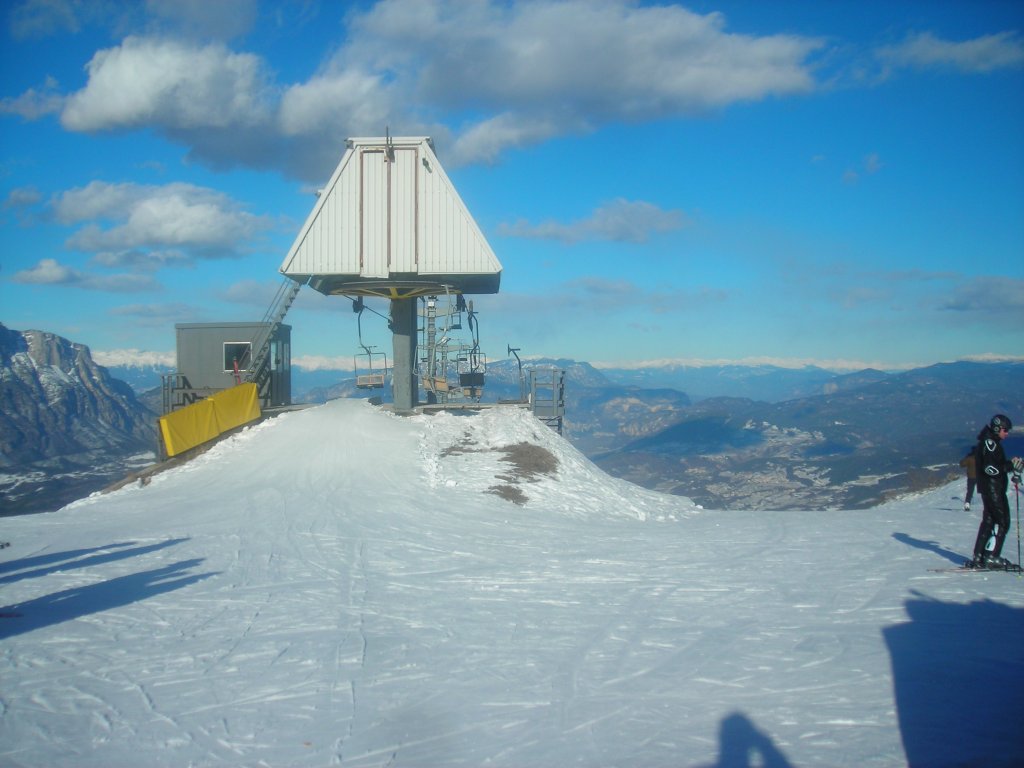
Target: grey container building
{"x":208,"y":353}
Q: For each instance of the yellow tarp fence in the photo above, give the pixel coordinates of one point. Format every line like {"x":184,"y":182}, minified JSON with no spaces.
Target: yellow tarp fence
{"x":197,"y":423}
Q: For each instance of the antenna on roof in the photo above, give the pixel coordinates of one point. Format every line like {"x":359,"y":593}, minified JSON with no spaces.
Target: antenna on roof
{"x":389,"y":146}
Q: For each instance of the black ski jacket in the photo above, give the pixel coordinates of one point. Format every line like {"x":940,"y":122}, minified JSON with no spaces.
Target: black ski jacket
{"x":992,"y":467}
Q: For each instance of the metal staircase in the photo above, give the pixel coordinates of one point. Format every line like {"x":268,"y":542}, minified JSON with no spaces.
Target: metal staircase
{"x":260,"y":367}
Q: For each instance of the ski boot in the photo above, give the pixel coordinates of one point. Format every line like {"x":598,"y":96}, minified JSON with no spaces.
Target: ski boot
{"x":996,"y":563}
{"x":967,"y":506}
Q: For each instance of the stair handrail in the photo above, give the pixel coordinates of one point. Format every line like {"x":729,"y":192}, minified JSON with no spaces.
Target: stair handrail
{"x":271,"y":321}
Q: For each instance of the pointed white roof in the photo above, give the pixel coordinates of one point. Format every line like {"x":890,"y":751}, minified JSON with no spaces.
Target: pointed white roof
{"x":390,"y":223}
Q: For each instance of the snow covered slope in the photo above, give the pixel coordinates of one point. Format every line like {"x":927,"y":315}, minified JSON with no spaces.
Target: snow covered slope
{"x":341,"y":586}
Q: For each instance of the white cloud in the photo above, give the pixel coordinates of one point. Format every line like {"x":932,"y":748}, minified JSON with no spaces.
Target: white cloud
{"x":22,"y":197}
{"x":357,"y":99}
{"x":142,"y":229}
{"x":221,"y":19}
{"x":200,"y":19}
{"x":603,"y":287}
{"x":51,"y":272}
{"x":162,"y":221}
{"x":34,"y":104}
{"x":871,"y":165}
{"x":323,"y":363}
{"x":133,"y":357}
{"x":991,"y":357}
{"x":991,"y":295}
{"x":611,"y":57}
{"x":632,"y":221}
{"x":120,"y":283}
{"x":160,"y":316}
{"x":41,"y":18}
{"x":48,"y":272}
{"x":252,"y":292}
{"x":143,"y":261}
{"x":571,"y":64}
{"x":220,"y":104}
{"x":168,"y":84}
{"x":982,"y":54}
{"x":98,"y":199}
{"x":484,"y":141}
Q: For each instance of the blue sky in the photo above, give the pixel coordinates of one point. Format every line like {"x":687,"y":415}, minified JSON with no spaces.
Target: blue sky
{"x":834,"y":183}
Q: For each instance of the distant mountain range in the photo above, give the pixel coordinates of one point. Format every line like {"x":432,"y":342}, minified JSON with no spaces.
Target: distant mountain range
{"x":757,"y":437}
{"x":767,"y":383}
{"x":871,"y":439}
{"x":141,"y":378}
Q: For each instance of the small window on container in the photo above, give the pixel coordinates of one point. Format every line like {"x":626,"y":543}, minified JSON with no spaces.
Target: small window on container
{"x":239,"y":352}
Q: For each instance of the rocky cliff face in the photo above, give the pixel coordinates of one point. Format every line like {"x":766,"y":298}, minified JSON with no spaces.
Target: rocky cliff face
{"x":56,"y":403}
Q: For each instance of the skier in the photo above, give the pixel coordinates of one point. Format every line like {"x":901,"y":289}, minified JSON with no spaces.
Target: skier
{"x":992,"y":475}
{"x":967,"y":462}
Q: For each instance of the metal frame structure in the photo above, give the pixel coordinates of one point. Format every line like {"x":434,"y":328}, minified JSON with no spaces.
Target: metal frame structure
{"x":547,"y":396}
{"x":449,"y":368}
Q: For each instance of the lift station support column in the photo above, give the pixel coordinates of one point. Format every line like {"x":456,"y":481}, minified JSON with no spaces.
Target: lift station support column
{"x":403,"y":328}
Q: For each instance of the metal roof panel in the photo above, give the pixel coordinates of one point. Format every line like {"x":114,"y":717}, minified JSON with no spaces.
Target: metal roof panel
{"x":390,"y":214}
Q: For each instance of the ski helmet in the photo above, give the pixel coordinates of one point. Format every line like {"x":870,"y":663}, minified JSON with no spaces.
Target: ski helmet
{"x":1000,"y":422}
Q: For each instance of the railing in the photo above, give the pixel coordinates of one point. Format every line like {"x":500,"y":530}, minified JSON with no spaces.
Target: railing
{"x":259,"y":367}
{"x":547,"y":396}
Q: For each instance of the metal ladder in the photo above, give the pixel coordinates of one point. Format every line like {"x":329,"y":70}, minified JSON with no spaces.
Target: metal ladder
{"x":259,"y":368}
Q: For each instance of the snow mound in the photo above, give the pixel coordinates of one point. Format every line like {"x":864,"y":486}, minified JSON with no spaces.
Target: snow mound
{"x":342,"y":452}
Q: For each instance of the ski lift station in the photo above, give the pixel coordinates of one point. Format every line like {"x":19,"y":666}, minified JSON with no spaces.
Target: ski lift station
{"x":390,"y":224}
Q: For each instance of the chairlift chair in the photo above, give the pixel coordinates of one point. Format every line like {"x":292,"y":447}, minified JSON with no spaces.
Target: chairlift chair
{"x":432,"y":373}
{"x":371,"y":368}
{"x":471,"y":364}
{"x":374,"y":368}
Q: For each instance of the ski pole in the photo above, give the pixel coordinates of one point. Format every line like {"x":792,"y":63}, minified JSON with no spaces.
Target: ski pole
{"x":1016,"y":495}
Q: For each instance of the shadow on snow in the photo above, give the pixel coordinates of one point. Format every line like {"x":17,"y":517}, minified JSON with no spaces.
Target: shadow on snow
{"x":958,"y":675}
{"x":53,"y":562}
{"x":742,"y":745}
{"x":931,"y":546}
{"x":75,"y":602}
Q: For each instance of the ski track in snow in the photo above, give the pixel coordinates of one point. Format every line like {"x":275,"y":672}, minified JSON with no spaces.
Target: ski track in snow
{"x":341,"y":586}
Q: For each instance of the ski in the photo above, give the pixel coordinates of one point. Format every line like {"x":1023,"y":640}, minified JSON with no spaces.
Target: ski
{"x":962,"y":569}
